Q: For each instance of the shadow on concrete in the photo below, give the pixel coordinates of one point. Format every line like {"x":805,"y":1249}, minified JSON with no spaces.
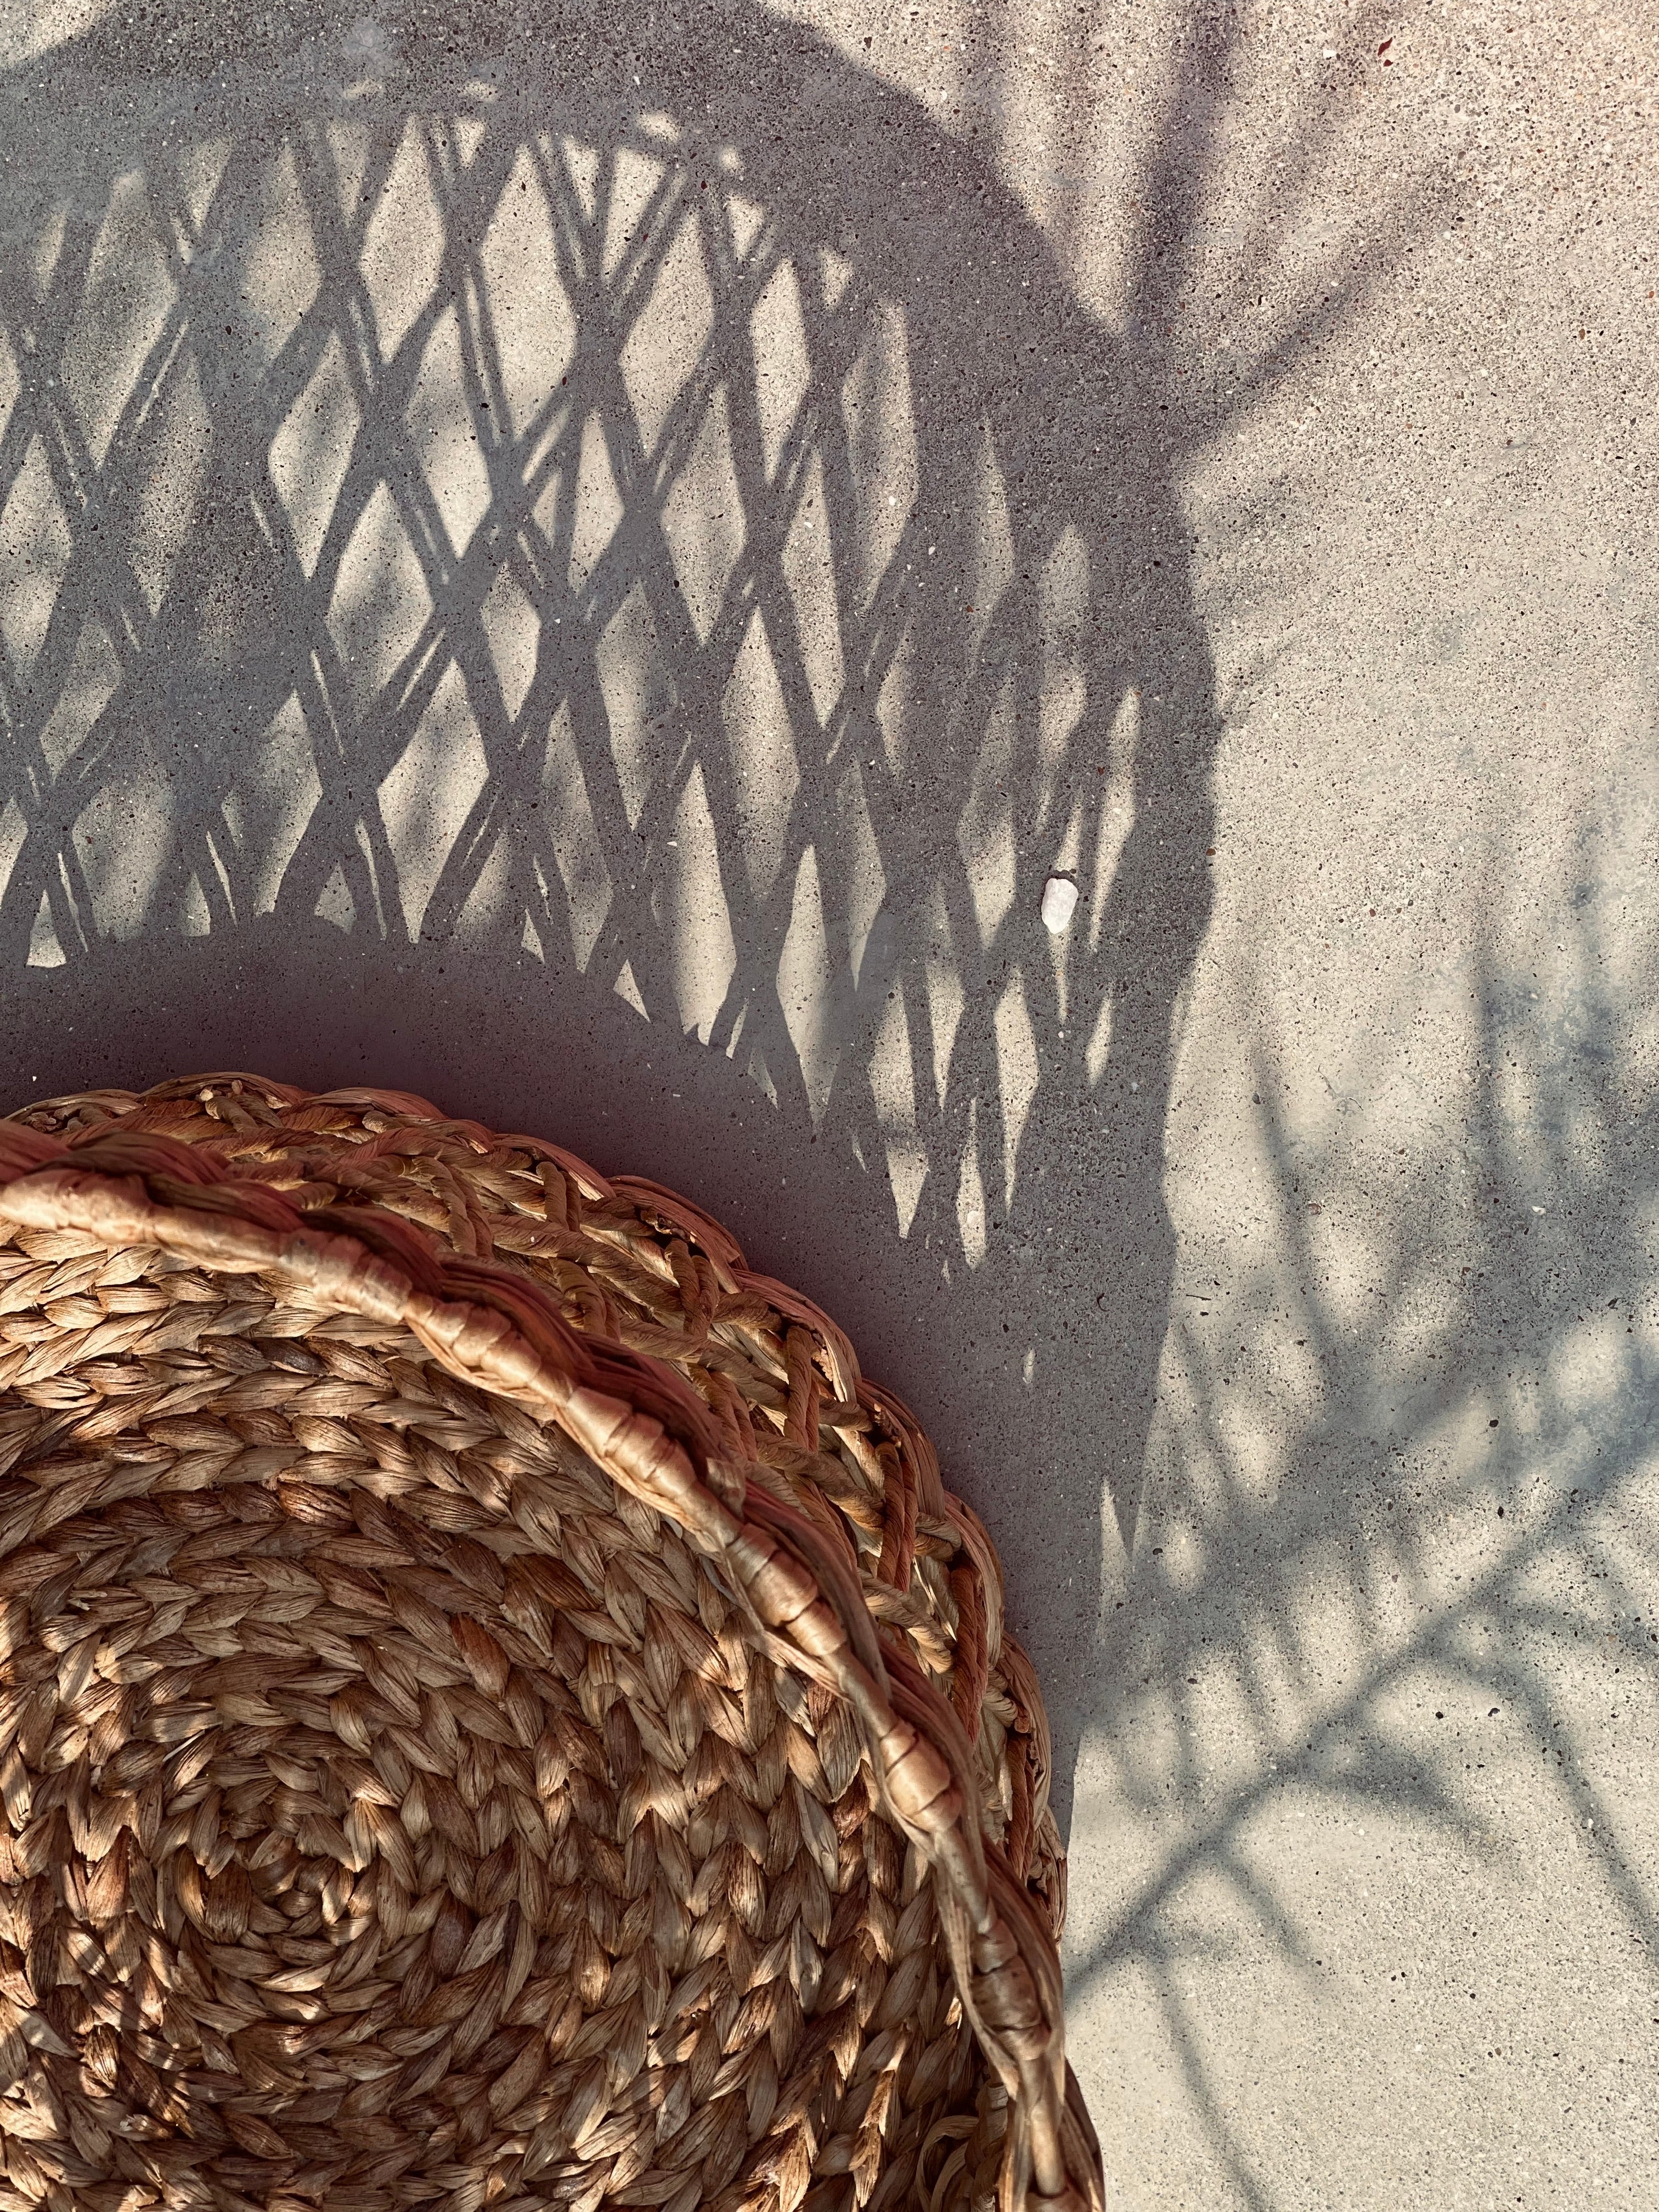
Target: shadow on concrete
{"x":1422,"y":1626}
{"x":506,"y":525}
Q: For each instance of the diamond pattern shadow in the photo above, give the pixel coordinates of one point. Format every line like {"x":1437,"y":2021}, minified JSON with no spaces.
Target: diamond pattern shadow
{"x":425,"y":520}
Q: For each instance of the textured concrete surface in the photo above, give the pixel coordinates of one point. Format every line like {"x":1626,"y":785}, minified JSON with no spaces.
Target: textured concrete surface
{"x":592,"y":563}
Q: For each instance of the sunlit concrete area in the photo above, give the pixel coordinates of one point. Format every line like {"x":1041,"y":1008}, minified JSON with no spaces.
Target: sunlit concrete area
{"x":590,"y":563}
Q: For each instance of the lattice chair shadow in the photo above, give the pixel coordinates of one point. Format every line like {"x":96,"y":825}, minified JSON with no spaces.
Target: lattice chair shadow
{"x":470,"y":518}
{"x":491,"y":510}
{"x":500,"y":1711}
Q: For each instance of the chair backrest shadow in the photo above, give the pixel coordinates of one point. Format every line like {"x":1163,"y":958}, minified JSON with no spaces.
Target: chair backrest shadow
{"x":509,"y":534}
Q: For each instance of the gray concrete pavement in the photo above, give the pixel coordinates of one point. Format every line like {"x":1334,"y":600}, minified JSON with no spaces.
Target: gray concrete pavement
{"x":590,"y":563}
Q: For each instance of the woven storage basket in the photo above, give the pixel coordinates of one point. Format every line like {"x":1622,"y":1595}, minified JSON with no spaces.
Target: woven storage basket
{"x":497,"y":1712}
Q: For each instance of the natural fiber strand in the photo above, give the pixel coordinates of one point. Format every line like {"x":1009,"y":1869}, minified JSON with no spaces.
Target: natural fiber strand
{"x":495,"y":1710}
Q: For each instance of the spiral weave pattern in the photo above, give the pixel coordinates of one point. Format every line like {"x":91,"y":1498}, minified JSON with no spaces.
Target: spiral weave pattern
{"x":496,"y":1710}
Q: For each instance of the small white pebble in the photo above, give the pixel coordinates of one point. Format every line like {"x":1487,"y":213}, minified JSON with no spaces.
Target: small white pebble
{"x":1059,"y":902}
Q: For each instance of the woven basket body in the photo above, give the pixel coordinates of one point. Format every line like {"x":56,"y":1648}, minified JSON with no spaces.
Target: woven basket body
{"x":497,"y":1711}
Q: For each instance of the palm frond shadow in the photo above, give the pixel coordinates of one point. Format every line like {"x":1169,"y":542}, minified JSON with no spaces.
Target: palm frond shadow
{"x":1461,"y":1548}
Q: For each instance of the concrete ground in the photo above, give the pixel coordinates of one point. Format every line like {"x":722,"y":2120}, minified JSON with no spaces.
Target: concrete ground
{"x":589,"y":563}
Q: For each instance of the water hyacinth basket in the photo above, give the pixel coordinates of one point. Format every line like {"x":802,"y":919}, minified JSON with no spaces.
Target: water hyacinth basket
{"x":496,"y":1710}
